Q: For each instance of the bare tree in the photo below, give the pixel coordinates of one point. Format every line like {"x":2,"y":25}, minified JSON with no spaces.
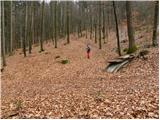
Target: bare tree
{"x":30,"y":28}
{"x":42,"y":28}
{"x":11,"y":32}
{"x":68,"y":29}
{"x":100,"y":43}
{"x":104,"y":25}
{"x":156,"y":11}
{"x":91,"y":21}
{"x":25,"y":39}
{"x":95,"y":27}
{"x":52,"y":25}
{"x":117,"y":29}
{"x":3,"y":37}
{"x":55,"y":23}
{"x":32,"y":23}
{"x":132,"y":47}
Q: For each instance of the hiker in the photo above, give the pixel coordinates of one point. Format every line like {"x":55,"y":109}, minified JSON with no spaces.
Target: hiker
{"x":88,"y":51}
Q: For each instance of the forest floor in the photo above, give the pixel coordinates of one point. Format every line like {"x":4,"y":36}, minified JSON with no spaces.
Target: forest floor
{"x":39,"y":86}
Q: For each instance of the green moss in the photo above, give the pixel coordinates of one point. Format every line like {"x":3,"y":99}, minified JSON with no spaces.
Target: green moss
{"x":138,"y":46}
{"x":125,"y":49}
{"x":65,"y":61}
{"x":132,"y":50}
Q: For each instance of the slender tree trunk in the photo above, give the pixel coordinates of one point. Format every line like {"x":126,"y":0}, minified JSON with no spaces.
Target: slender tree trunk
{"x":104,"y":25}
{"x":91,"y":28}
{"x":24,"y":40}
{"x":91,"y":22}
{"x":156,"y":11}
{"x":30,"y":29}
{"x":71,"y":19}
{"x":3,"y":38}
{"x":14,"y":26}
{"x":52,"y":25}
{"x":80,"y":24}
{"x":68,"y":30}
{"x":34,"y":16}
{"x":42,"y":28}
{"x":108,"y":26}
{"x":132,"y":46}
{"x":55,"y":23}
{"x":100,"y":43}
{"x":117,"y":30}
{"x":11,"y":36}
{"x":21,"y":36}
{"x":86,"y":30}
{"x":95,"y":33}
{"x":59,"y":19}
{"x":63,"y":19}
{"x":32,"y":26}
{"x":20,"y":31}
{"x":86,"y":23}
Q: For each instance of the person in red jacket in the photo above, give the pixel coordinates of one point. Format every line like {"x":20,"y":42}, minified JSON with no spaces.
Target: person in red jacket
{"x":88,"y":51}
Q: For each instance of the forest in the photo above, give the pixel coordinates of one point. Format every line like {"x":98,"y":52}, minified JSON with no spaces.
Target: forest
{"x":79,"y":59}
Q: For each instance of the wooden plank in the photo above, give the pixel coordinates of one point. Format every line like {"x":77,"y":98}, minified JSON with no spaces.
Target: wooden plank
{"x":111,"y":67}
{"x":119,"y":66}
{"x":121,"y":59}
{"x":124,"y":56}
{"x":119,"y":62}
{"x":115,"y":61}
{"x":116,"y":66}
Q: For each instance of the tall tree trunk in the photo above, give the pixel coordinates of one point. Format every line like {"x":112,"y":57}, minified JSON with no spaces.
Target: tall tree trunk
{"x":26,"y":21}
{"x":104,"y":25}
{"x":21,"y":35}
{"x":52,"y":25}
{"x":108,"y":28}
{"x":42,"y":28}
{"x":59,"y":19}
{"x":35,"y":31}
{"x":86,"y":23}
{"x":117,"y":30}
{"x":100,"y":43}
{"x":55,"y":23}
{"x":132,"y":46}
{"x":95,"y":25}
{"x":63,"y":19}
{"x":30,"y":29}
{"x":71,"y":20}
{"x":156,"y":11}
{"x":91,"y":22}
{"x":3,"y":38}
{"x":68,"y":22}
{"x":11,"y":32}
{"x":21,"y":30}
{"x":32,"y":23}
{"x":80,"y":22}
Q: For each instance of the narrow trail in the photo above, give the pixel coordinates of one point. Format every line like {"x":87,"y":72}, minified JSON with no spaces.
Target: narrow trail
{"x":81,"y":88}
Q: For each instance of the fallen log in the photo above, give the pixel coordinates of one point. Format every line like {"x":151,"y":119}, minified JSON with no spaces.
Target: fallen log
{"x":117,"y":63}
{"x":121,"y":58}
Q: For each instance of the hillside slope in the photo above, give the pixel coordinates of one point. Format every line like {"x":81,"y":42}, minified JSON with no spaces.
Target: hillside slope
{"x":39,"y":86}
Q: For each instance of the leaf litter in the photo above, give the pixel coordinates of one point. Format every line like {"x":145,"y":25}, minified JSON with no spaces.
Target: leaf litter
{"x":39,"y":87}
